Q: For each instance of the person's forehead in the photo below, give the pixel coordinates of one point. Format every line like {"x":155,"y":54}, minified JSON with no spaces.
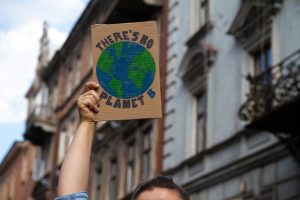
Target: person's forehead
{"x":159,"y":194}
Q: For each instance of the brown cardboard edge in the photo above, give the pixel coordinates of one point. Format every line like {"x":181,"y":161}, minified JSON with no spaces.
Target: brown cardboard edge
{"x":142,"y":22}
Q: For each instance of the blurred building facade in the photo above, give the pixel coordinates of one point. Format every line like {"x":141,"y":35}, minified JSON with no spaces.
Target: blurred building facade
{"x":124,"y":152}
{"x":41,"y":124}
{"x":213,"y":47}
{"x":206,"y":139}
{"x":16,"y":171}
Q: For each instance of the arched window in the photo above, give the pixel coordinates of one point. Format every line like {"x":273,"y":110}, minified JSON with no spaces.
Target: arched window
{"x":194,"y":67}
{"x":193,"y":71}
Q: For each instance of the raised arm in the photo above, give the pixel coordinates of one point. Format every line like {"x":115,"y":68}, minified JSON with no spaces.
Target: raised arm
{"x":74,"y":172}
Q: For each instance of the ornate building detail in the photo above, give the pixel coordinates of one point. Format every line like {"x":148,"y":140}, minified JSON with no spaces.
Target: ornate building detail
{"x":272,"y":88}
{"x":40,"y":119}
{"x":44,"y":50}
{"x":252,"y":24}
{"x":273,"y":102}
{"x":195,"y":66}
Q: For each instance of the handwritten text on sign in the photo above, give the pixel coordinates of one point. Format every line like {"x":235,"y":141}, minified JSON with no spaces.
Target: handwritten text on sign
{"x":127,"y":69}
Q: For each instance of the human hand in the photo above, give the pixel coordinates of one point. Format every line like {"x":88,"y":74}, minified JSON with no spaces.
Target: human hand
{"x":89,"y":102}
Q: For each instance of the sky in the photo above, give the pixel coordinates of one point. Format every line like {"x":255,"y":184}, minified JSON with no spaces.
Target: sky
{"x":21,"y":26}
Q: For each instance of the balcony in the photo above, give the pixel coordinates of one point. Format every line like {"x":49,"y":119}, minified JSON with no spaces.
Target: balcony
{"x":273,"y":103}
{"x":40,"y":124}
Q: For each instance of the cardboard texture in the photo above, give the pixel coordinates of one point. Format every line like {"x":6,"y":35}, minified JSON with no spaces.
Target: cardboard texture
{"x":125,"y":64}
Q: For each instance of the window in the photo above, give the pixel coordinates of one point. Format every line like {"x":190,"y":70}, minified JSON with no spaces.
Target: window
{"x":69,"y":82}
{"x":263,"y":76}
{"x":4,"y":191}
{"x":204,"y":12}
{"x":263,"y":61}
{"x":69,"y":126}
{"x":38,"y":102}
{"x":130,"y":166}
{"x":45,"y":154}
{"x":43,"y":109}
{"x":195,"y":67}
{"x":73,"y":124}
{"x":64,"y":141}
{"x":30,"y":105}
{"x":194,"y":71}
{"x":78,"y":69}
{"x":41,"y":166}
{"x":12,"y":188}
{"x":113,"y":179}
{"x":49,"y":104}
{"x":201,"y":122}
{"x":98,"y":184}
{"x":55,"y":97}
{"x":146,"y":153}
{"x":45,"y":94}
{"x":24,"y":167}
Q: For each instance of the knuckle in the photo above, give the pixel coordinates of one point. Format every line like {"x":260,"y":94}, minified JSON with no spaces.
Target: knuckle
{"x":90,"y":101}
{"x":79,"y":101}
{"x":96,"y":95}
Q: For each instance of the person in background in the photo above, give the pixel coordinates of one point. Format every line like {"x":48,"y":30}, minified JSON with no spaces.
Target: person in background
{"x":73,"y":177}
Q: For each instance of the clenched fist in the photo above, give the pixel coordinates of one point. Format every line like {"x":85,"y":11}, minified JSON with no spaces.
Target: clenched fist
{"x":89,"y":102}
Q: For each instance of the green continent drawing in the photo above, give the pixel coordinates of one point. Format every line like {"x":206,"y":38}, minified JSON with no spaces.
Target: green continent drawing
{"x":125,"y":69}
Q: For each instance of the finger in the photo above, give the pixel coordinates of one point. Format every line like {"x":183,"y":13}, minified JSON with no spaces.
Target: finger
{"x":90,"y":102}
{"x":94,"y":94}
{"x":89,"y":108}
{"x":91,"y":85}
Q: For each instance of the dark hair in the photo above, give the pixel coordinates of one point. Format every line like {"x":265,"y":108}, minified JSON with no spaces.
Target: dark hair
{"x":159,"y":182}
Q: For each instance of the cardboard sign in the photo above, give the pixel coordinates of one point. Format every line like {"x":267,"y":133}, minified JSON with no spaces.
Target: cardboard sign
{"x":125,"y":64}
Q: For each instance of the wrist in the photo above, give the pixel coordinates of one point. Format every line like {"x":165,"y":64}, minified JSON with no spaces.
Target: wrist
{"x":88,"y":127}
{"x":88,"y":122}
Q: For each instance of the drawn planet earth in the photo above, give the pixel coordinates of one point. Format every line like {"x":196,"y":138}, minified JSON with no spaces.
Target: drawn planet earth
{"x":125,"y":69}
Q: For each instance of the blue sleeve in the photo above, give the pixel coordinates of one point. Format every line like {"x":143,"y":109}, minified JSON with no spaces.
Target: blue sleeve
{"x":76,"y":196}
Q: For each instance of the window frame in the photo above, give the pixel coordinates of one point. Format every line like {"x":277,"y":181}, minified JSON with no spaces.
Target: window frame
{"x":98,"y":180}
{"x":78,"y":69}
{"x":201,"y":115}
{"x":113,"y":185}
{"x":146,"y":151}
{"x":265,"y":54}
{"x":69,"y":84}
{"x":204,"y":7}
{"x":131,"y":159}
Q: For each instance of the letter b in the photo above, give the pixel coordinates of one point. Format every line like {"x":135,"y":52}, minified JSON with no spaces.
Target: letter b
{"x":151,"y":93}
